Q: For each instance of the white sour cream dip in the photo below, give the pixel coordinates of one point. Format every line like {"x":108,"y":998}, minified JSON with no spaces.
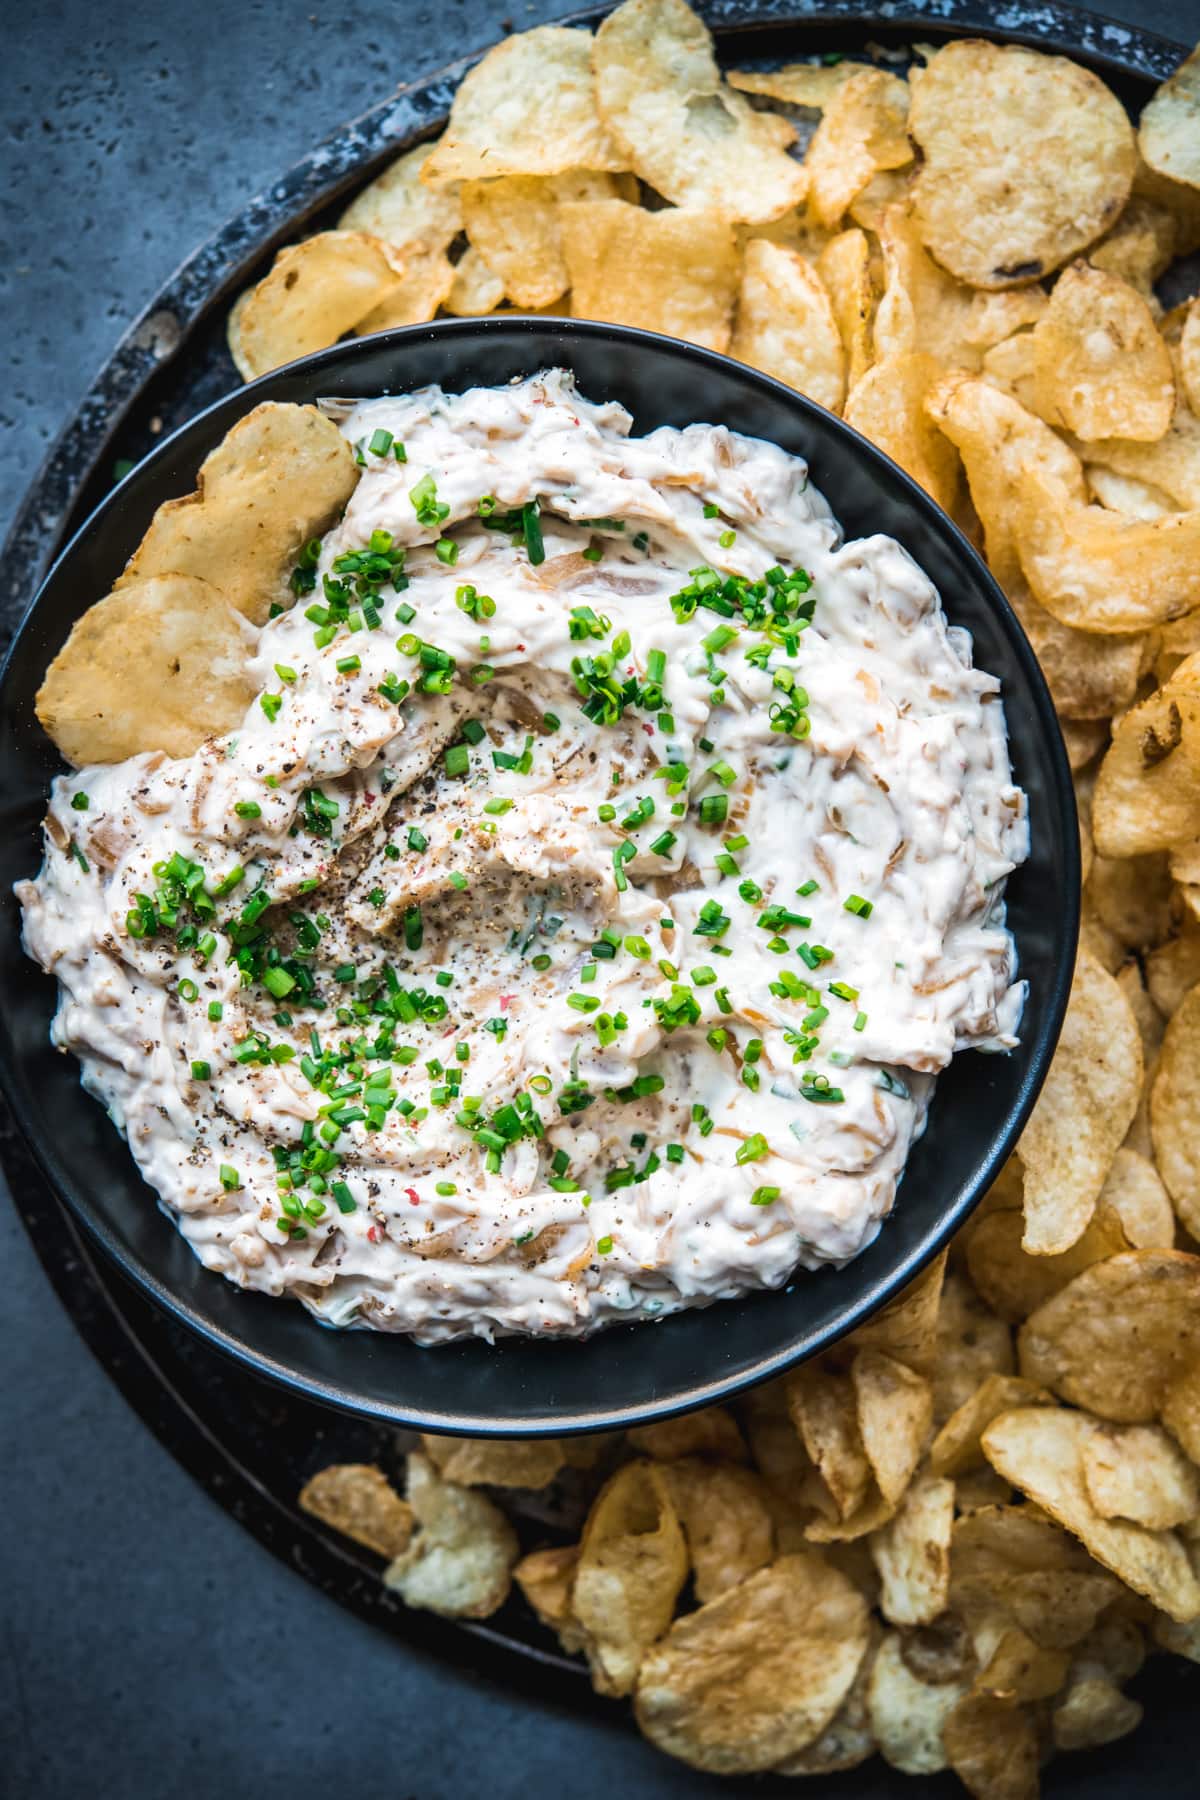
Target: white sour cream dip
{"x":575,"y":926}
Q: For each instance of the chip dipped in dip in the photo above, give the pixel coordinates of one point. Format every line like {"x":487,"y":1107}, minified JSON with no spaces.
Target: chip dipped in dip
{"x":575,"y":925}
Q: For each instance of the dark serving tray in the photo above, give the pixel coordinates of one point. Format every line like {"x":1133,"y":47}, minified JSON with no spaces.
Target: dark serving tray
{"x":247,"y":1442}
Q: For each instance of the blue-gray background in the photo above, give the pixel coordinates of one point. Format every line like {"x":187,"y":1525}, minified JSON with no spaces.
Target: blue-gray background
{"x":148,"y":1647}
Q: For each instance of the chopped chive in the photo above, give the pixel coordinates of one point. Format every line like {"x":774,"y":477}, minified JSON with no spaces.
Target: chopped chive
{"x":248,"y":809}
{"x":201,"y":1071}
{"x":856,"y":904}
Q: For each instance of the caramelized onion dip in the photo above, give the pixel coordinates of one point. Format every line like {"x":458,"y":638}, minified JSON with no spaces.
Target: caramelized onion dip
{"x":575,"y":926}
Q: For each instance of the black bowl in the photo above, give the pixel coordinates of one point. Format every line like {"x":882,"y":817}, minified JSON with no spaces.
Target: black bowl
{"x":626,"y":1374}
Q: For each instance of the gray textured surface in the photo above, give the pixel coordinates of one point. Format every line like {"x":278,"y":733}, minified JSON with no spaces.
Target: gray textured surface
{"x":147,"y":1646}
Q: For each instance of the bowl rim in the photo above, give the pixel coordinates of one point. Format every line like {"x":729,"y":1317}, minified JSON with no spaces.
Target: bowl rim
{"x":236,"y":403}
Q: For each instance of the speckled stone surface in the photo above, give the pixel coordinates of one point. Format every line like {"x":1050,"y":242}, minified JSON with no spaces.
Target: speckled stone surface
{"x":149,"y":1649}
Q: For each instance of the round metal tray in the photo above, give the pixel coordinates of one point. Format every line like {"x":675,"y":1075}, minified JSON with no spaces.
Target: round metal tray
{"x":249,"y":1444}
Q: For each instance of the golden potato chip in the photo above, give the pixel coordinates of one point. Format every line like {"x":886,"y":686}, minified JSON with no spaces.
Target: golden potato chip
{"x":906,"y":1713}
{"x":907,"y":1327}
{"x":921,"y":307}
{"x":1098,"y":570}
{"x":460,"y":1562}
{"x":314,"y":293}
{"x":1132,"y":896}
{"x":844,"y":265}
{"x":632,"y":1563}
{"x":1089,"y":677}
{"x":847,"y":1740}
{"x":797,"y":84}
{"x":674,"y":271}
{"x":997,"y":439}
{"x":1100,"y":368}
{"x":912,"y":1553}
{"x":1014,"y":1283}
{"x":1116,"y":1336}
{"x":956,"y":1449}
{"x":405,"y":211}
{"x":1010,"y":1564}
{"x":1189,"y":356}
{"x":775,"y":1444}
{"x":887,"y":406}
{"x":823,"y":1409}
{"x":528,"y":108}
{"x":1040,"y":1451}
{"x":785,"y":324}
{"x":712,"y":1432}
{"x":157,"y":665}
{"x":871,"y":1512}
{"x":424,"y":286}
{"x":1015,"y":1666}
{"x":1008,"y":365}
{"x":496,"y":1462}
{"x":1084,"y":738}
{"x":279,"y":477}
{"x":514,"y":224}
{"x":895,"y":1411}
{"x":1169,"y":131}
{"x":939,"y":1653}
{"x":692,"y":138}
{"x":358,"y":1500}
{"x":1175,"y":1111}
{"x":1135,"y":1194}
{"x":1028,"y":158}
{"x":972,"y":1344}
{"x":725,"y":1519}
{"x":1141,"y":245}
{"x":863,"y":130}
{"x":1136,"y":1472}
{"x":1170,"y":466}
{"x":1174,"y":969}
{"x":888,"y":188}
{"x":751,"y":1678}
{"x":992,"y":1746}
{"x":1093,"y":1711}
{"x":992,"y":318}
{"x":1181,"y":1408}
{"x":1147,"y":793}
{"x":1124,"y":494}
{"x":547,"y":1578}
{"x":477,"y":290}
{"x":980,"y":1489}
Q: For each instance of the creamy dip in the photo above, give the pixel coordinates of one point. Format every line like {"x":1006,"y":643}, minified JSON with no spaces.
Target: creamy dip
{"x":576,"y":924}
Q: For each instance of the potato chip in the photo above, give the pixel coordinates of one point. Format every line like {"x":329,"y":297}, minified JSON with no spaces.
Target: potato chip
{"x":1147,"y":795}
{"x":1040,"y":1450}
{"x":279,"y":477}
{"x":844,"y":265}
{"x":1028,"y":159}
{"x":912,"y":1553}
{"x":1013,"y":1282}
{"x":157,"y":665}
{"x":1009,"y":365}
{"x":957,"y":1448}
{"x":315,"y":292}
{"x":712,"y":1432}
{"x":725,"y":1519}
{"x":1116,"y":1336}
{"x":997,"y":439}
{"x":992,"y":1746}
{"x":1093,"y":1712}
{"x":1132,"y":896}
{"x":674,"y":271}
{"x":1175,"y":1111}
{"x":477,"y":290}
{"x":980,"y":1489}
{"x":992,"y":318}
{"x":547,"y":1578}
{"x":1010,"y":1564}
{"x":823,"y":1409}
{"x":632,"y":1563}
{"x":972,"y":1344}
{"x":753,"y":1677}
{"x":847,"y":1740}
{"x":496,"y":1462}
{"x":1100,"y":367}
{"x":424,"y":286}
{"x":1125,"y":494}
{"x":358,"y":1500}
{"x":692,"y":138}
{"x":907,"y":1327}
{"x":1170,"y":466}
{"x":939,"y":1653}
{"x":527,"y":108}
{"x":887,"y":406}
{"x":1015,"y":1666}
{"x":1169,"y":131}
{"x":871,"y":1512}
{"x":1089,"y":677}
{"x":785,"y":324}
{"x":889,"y":188}
{"x":459,"y":1563}
{"x":514,"y":224}
{"x":1084,"y":738}
{"x":1181,"y":1409}
{"x":1141,"y":245}
{"x":922,"y":308}
{"x":1174,"y":969}
{"x":907,"y":1714}
{"x":863,"y":130}
{"x":405,"y":211}
{"x":1135,"y":1194}
{"x":797,"y":84}
{"x":1136,"y":1472}
{"x":895,"y":1410}
{"x":1189,"y":356}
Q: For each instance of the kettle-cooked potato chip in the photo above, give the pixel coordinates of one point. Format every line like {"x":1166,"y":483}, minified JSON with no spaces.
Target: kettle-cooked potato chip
{"x":1082,"y":1113}
{"x":684,"y":131}
{"x":358,"y":1500}
{"x":1089,"y":677}
{"x":1114,"y":1338}
{"x":912,"y":1553}
{"x":710,"y":1432}
{"x":476,"y":289}
{"x":1100,"y":367}
{"x":1141,"y":245}
{"x":756,"y":1675}
{"x":527,"y":108}
{"x":632,"y":1563}
{"x":1169,"y":131}
{"x":280,"y":476}
{"x":314,"y":293}
{"x":824,"y":1412}
{"x":460,"y":1562}
{"x":1189,"y":356}
{"x":1147,"y":793}
{"x":1125,"y":494}
{"x":1135,"y":1194}
{"x":992,"y":1746}
{"x":547,"y":1578}
{"x":1028,"y":159}
{"x":785,"y":324}
{"x":1170,"y":466}
{"x":1092,"y":1712}
{"x":1132,"y":896}
{"x":956,"y":1450}
{"x":1137,"y":1472}
{"x":1013,"y":1282}
{"x":921,"y":307}
{"x":907,"y":1327}
{"x":496,"y":1462}
{"x":674,"y":271}
{"x":513,"y":222}
{"x":863,"y":130}
{"x":797,"y":84}
{"x":1181,"y":1409}
{"x":895,"y":1411}
{"x":847,"y":1740}
{"x":972,"y":1344}
{"x":888,"y":406}
{"x":907,"y":1714}
{"x":1175,"y":1111}
{"x":726,"y":1520}
{"x":424,"y":286}
{"x":405,"y":211}
{"x":1040,"y":1450}
{"x":157,"y":665}
{"x":844,"y":265}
